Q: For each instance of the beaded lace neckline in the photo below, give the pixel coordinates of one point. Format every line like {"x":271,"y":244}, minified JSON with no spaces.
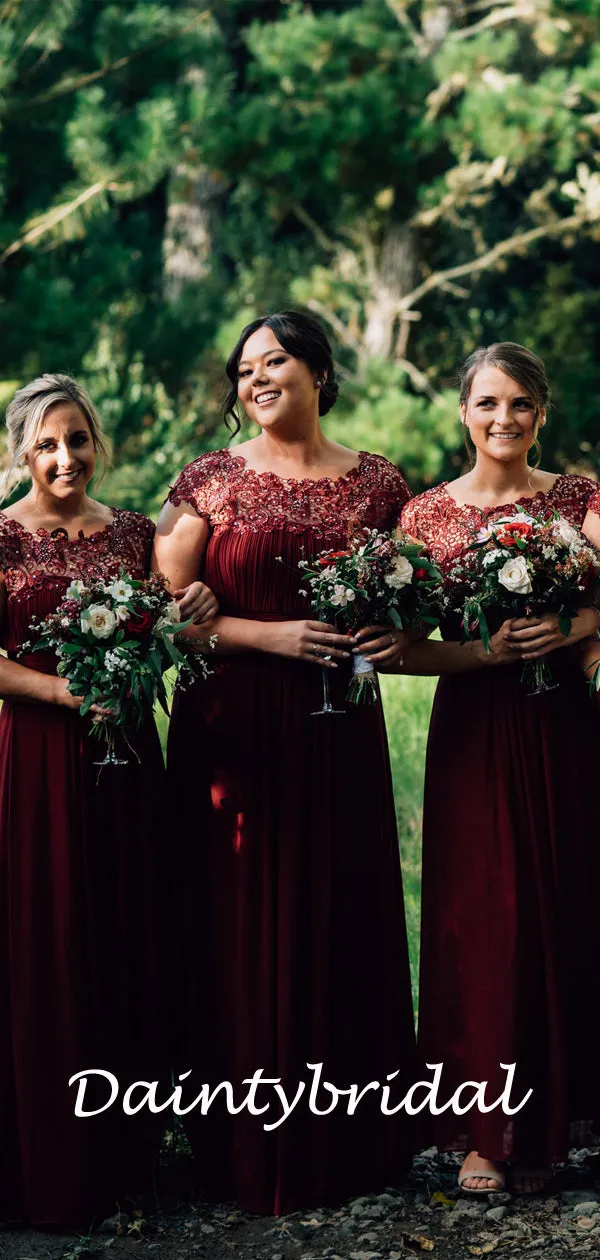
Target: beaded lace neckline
{"x":300,"y":481}
{"x":61,"y":533}
{"x":497,"y":507}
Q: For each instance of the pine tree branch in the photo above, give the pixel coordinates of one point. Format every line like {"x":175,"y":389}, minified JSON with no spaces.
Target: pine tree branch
{"x":84,"y":80}
{"x":52,"y":218}
{"x":419,"y":380}
{"x":398,"y":9}
{"x":512,"y":245}
{"x":336,"y":323}
{"x":504,"y":13}
{"x":304,"y":217}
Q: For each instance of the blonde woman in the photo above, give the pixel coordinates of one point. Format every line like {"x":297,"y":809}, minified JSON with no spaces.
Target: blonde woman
{"x":81,"y":968}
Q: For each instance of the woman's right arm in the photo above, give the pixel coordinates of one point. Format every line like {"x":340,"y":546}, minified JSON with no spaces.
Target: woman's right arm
{"x":30,"y":686}
{"x":432,"y":656}
{"x":179,"y":546}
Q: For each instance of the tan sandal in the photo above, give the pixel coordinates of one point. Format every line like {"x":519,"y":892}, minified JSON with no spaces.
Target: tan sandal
{"x":498,"y":1177}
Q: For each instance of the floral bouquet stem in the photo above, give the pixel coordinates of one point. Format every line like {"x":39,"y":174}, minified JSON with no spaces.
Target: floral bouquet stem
{"x":363,"y":684}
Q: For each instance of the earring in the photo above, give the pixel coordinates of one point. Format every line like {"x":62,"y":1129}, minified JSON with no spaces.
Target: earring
{"x":318,"y":381}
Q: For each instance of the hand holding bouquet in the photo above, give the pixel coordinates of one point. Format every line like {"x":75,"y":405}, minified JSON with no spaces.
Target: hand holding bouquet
{"x":522,"y":566}
{"x":115,"y":640}
{"x":381,"y":579}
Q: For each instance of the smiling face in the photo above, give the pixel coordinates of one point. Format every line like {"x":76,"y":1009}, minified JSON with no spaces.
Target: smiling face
{"x":273,"y":386}
{"x":62,"y":459}
{"x":500,"y":415}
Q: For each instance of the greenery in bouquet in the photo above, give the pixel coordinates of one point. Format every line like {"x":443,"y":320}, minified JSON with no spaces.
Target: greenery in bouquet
{"x":521,"y":566}
{"x":114,"y":641}
{"x":379,"y":579}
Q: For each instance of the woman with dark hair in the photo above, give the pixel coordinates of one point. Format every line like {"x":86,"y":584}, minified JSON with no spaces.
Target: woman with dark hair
{"x":509,"y":923}
{"x":293,"y":945}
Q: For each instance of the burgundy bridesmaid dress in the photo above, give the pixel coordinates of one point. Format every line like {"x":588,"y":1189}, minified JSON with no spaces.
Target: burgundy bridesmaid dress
{"x":79,"y":960}
{"x":290,"y":889}
{"x":510,"y":935}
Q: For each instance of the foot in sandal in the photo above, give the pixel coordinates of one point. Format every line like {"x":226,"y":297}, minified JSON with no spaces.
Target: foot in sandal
{"x":480,"y":1176}
{"x":529,"y":1180}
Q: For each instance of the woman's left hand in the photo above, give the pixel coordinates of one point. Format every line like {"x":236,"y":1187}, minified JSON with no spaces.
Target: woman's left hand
{"x":384,"y":646}
{"x":196,"y":602}
{"x":536,"y":636}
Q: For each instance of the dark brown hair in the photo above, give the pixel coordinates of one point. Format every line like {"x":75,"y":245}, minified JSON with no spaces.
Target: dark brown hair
{"x":521,"y":364}
{"x":303,"y":337}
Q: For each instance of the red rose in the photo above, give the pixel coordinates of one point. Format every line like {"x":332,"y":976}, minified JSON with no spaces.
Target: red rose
{"x":507,"y":534}
{"x":140,"y":624}
{"x":421,"y":573}
{"x":333,"y":555}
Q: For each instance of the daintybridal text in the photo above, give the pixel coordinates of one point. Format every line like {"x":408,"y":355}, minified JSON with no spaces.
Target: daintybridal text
{"x":266,"y":1094}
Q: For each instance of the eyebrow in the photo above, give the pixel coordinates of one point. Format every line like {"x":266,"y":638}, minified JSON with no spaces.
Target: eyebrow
{"x":51,"y":437}
{"x":275,"y":350}
{"x":493,"y":398}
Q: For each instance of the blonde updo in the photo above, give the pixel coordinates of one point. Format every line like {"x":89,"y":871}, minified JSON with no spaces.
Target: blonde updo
{"x":27,"y":411}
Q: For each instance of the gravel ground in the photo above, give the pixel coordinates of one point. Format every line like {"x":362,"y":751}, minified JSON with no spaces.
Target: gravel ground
{"x":423,"y":1215}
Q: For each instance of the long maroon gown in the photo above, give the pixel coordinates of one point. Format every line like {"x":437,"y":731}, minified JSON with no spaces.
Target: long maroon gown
{"x":79,"y":971}
{"x":290,"y":887}
{"x":510,"y":934}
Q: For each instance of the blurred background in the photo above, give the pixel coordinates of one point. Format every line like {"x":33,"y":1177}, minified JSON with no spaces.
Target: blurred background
{"x":423,"y":176}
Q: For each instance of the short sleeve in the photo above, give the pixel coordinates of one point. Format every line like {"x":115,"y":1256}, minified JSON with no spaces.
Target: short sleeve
{"x":409,"y":519}
{"x":201,"y":482}
{"x":391,"y":485}
{"x":593,"y":503}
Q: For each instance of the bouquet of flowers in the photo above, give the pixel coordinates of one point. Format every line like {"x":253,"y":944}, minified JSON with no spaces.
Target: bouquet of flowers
{"x":115,"y":640}
{"x":521,"y":566}
{"x":381,"y":579}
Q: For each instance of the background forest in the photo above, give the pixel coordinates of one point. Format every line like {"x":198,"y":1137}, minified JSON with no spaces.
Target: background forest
{"x":423,"y":174}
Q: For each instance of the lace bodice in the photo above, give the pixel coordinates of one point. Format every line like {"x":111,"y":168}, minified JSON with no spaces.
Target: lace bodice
{"x":262,"y":525}
{"x":229,"y":495}
{"x":37,"y":567}
{"x":447,"y":527}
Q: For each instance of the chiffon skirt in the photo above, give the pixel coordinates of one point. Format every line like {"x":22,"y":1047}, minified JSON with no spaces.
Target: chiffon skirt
{"x":293,"y":946}
{"x":82,"y":970}
{"x":510,"y":926}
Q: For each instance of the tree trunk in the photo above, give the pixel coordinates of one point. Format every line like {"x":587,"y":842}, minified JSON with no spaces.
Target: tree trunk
{"x":396,"y":276}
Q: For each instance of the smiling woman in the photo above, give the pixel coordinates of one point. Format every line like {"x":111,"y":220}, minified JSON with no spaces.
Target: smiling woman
{"x":509,"y":927}
{"x":293,"y":946}
{"x":80,"y":960}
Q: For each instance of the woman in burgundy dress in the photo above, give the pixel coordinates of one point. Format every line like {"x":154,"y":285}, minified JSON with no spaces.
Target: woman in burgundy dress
{"x":511,"y":872}
{"x":290,"y":889}
{"x":82,"y":979}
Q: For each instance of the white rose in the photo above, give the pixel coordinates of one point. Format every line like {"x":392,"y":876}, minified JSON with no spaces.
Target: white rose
{"x":565,"y":533}
{"x":98,"y":620}
{"x":341,"y":595}
{"x":75,"y":590}
{"x":514,"y":575}
{"x":401,"y":574}
{"x":119,"y":590}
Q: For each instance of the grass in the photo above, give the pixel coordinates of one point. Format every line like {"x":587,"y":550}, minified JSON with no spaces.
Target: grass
{"x":407,"y":705}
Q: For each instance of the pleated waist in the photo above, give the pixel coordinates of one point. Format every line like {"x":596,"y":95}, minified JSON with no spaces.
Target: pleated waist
{"x":42,"y":662}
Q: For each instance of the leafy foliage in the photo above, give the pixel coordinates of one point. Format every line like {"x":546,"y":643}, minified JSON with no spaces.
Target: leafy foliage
{"x":425,"y":179}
